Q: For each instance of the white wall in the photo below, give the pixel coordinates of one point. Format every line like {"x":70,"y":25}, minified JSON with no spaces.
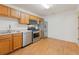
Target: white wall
{"x":63,"y":26}
{"x":5,"y":22}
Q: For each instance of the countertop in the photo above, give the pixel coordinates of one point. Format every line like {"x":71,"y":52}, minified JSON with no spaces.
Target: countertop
{"x":9,"y":33}
{"x":13,"y":32}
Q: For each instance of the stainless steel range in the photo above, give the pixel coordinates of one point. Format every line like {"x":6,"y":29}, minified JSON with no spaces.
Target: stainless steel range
{"x":36,"y":36}
{"x":35,"y":30}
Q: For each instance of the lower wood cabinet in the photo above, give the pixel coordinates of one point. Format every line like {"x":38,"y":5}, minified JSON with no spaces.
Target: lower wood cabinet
{"x":17,"y":41}
{"x":5,"y":44}
{"x":10,"y":42}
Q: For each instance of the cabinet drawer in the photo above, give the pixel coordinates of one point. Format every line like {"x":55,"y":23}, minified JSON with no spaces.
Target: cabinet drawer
{"x":5,"y":36}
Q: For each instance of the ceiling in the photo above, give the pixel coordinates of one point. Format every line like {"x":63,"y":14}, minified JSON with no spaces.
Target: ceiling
{"x":40,"y":10}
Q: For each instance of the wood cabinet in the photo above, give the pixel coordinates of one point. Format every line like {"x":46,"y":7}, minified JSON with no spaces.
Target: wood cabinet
{"x":5,"y":44}
{"x":24,"y":18}
{"x":38,"y":19}
{"x":41,"y":21}
{"x":3,"y":10}
{"x":10,"y":42}
{"x":9,"y":12}
{"x":15,"y":13}
{"x":34,"y":18}
{"x":17,"y":41}
{"x":6,"y":11}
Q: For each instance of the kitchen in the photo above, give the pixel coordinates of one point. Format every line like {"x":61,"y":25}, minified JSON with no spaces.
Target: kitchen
{"x":18,"y":29}
{"x":39,"y":29}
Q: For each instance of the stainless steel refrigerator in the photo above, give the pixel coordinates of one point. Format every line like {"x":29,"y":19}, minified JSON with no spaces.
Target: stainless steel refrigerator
{"x":44,"y":28}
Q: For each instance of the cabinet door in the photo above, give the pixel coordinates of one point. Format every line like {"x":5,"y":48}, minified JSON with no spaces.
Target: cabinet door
{"x":34,"y":18}
{"x":24,"y":18}
{"x":15,"y":13}
{"x":37,"y":20}
{"x":31,"y":17}
{"x":41,"y":21}
{"x":17,"y":41}
{"x":9,"y":12}
{"x":4,"y":46}
{"x":3,"y":10}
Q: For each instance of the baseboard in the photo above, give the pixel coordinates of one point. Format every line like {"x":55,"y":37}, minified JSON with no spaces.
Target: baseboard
{"x":62,"y":40}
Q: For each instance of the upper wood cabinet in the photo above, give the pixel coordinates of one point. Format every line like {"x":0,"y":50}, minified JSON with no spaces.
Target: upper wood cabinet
{"x":41,"y":21}
{"x":3,"y":10}
{"x":24,"y":18}
{"x":9,"y":11}
{"x":38,"y":20}
{"x":15,"y":13}
{"x":6,"y":11}
{"x":34,"y":18}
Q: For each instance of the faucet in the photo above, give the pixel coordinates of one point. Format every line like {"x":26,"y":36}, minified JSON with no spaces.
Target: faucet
{"x":9,"y":28}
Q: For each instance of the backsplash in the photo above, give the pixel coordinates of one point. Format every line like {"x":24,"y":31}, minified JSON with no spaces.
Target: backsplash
{"x":5,"y":22}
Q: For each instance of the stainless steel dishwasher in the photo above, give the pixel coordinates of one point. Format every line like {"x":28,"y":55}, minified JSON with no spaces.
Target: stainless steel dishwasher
{"x":27,"y":38}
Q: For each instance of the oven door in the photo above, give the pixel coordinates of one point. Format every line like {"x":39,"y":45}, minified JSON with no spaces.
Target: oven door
{"x":35,"y":37}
